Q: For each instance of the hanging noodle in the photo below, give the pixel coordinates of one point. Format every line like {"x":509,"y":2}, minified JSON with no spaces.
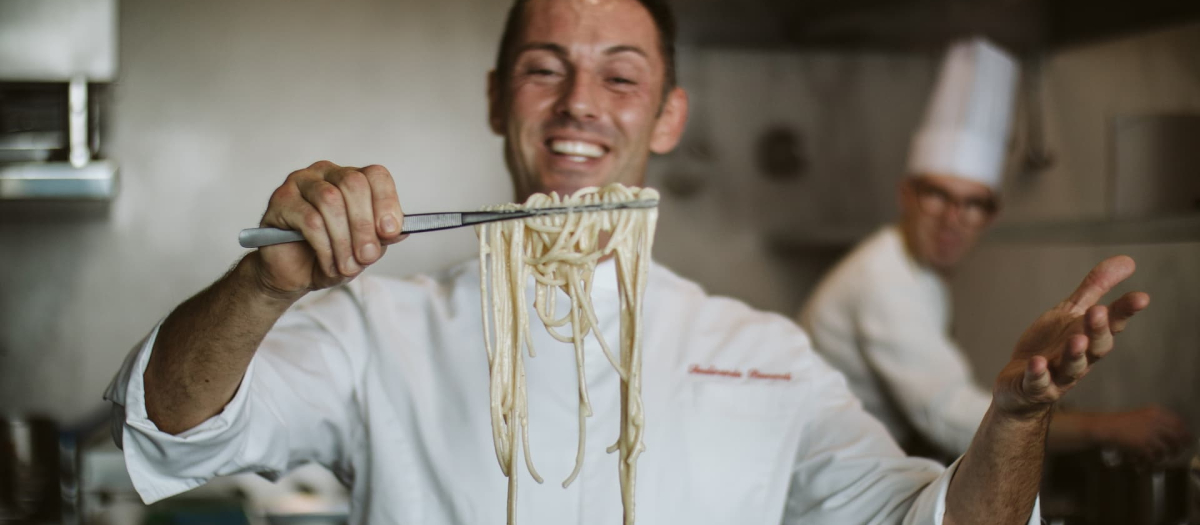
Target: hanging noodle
{"x":560,"y":251}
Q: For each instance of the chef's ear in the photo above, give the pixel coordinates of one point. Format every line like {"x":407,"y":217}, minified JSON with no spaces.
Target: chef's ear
{"x":668,"y":129}
{"x":496,"y":110}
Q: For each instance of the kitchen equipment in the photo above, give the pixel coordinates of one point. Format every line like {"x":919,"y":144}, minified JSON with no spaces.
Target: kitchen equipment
{"x":29,"y":470}
{"x":50,"y":142}
{"x":428,"y":222}
{"x":58,"y":59}
{"x":1103,"y":488}
{"x":1154,"y":165}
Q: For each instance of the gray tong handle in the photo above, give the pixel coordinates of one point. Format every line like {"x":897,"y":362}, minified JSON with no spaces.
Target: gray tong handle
{"x":416,"y":223}
{"x":259,"y":237}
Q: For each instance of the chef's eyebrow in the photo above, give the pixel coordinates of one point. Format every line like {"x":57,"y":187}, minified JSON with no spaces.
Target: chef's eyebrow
{"x":543,"y":46}
{"x":562,"y":51}
{"x":625,"y":48}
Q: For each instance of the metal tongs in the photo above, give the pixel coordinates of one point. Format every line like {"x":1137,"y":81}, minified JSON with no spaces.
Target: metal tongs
{"x":430,"y":222}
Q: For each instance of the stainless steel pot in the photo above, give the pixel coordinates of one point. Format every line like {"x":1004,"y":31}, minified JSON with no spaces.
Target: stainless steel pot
{"x":29,"y":480}
{"x":1094,"y":488}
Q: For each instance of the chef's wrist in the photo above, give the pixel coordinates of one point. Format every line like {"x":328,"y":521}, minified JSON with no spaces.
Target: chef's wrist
{"x":1032,"y":418}
{"x":248,"y":275}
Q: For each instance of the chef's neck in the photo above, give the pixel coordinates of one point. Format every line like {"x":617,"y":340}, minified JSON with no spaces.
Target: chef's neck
{"x":913,"y":250}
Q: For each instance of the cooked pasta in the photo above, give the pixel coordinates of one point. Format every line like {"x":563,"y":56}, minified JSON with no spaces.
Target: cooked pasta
{"x":560,"y":252}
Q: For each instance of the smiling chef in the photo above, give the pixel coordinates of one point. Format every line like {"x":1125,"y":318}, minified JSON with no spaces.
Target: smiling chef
{"x":385,"y":381}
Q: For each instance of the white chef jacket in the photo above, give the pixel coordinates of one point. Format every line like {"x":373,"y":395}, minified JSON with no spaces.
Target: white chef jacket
{"x":385,"y":382}
{"x":883,"y":320}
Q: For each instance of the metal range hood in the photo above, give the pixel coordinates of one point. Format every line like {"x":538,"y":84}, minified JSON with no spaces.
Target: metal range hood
{"x":1022,"y":26}
{"x":57,"y":58}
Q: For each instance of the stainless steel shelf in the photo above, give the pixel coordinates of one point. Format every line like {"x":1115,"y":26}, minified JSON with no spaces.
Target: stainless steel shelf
{"x":96,"y":180}
{"x":1162,"y":230}
{"x":1176,"y":229}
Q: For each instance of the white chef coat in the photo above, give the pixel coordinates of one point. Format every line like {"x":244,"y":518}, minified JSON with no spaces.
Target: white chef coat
{"x":884,"y":320}
{"x":385,"y":382}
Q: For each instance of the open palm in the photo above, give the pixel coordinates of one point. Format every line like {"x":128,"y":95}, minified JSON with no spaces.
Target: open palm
{"x":1061,"y":346}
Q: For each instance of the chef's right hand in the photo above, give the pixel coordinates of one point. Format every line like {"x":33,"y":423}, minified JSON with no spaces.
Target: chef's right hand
{"x":348,"y":217}
{"x":1147,"y":435}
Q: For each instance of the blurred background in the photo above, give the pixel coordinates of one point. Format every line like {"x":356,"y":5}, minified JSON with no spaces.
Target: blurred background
{"x":137,"y":137}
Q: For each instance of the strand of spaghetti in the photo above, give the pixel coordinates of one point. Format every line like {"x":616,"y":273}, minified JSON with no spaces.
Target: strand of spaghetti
{"x":590,"y":311}
{"x":497,"y":358}
{"x":634,"y":418}
{"x":524,"y":402}
{"x":484,"y":251}
{"x":585,"y":404}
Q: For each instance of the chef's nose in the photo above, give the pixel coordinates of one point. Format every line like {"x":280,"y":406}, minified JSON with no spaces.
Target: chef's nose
{"x":580,"y":99}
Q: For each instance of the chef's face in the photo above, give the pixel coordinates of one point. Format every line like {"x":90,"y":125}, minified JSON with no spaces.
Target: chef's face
{"x":943,"y":217}
{"x":583,"y":103}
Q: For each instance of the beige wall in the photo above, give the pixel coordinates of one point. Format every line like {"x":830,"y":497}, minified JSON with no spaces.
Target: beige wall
{"x":1084,"y":89}
{"x":216,"y":103}
{"x":1003,"y":285}
{"x":854,"y":112}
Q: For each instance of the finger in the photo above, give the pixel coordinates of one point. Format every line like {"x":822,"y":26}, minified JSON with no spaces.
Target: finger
{"x":328,"y":201}
{"x":287,"y":209}
{"x":1159,"y":449}
{"x":1073,"y":361}
{"x":1180,"y":435}
{"x":1144,"y":454}
{"x":389,"y":218}
{"x":1171,"y":433}
{"x":1184,"y":440}
{"x":1036,"y":382}
{"x":1175,"y":442}
{"x":323,"y":167}
{"x":356,"y":192}
{"x":1152,"y":452}
{"x":308,"y":221}
{"x":1185,"y":432}
{"x":1100,"y":338}
{"x":1122,"y":309}
{"x":1100,"y":280}
{"x":1144,"y":446}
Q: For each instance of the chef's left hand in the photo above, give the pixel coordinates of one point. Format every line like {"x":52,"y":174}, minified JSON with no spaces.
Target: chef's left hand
{"x":1147,"y":435}
{"x":1062,"y":345}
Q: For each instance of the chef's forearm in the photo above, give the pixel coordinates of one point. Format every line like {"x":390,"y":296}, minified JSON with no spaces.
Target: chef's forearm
{"x":204,"y":347}
{"x":997,"y":479}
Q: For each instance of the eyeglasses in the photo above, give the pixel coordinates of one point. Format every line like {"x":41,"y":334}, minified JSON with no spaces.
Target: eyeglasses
{"x":934,"y":200}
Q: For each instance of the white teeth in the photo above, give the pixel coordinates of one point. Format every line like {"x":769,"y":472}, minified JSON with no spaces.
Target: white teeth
{"x":576,"y":149}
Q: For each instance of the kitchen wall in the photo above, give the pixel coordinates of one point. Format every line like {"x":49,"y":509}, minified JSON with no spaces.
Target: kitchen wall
{"x":216,"y":103}
{"x":1004,"y":284}
{"x":775,"y":238}
{"x":766,"y":240}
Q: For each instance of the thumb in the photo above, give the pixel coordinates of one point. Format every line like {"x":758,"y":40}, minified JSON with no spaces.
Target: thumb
{"x":1036,"y":382}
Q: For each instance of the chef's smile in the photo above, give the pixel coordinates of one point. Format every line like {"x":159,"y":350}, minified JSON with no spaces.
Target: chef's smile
{"x":575,"y":154}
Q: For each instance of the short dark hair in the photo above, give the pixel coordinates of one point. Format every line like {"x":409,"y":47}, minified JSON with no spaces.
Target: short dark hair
{"x":660,"y":11}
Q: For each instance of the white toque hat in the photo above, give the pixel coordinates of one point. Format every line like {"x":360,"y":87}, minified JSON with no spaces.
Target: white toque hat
{"x":965,"y":131}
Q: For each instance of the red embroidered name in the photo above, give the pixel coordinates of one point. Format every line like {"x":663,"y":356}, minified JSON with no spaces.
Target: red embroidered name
{"x":713,"y":371}
{"x":755,"y":374}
